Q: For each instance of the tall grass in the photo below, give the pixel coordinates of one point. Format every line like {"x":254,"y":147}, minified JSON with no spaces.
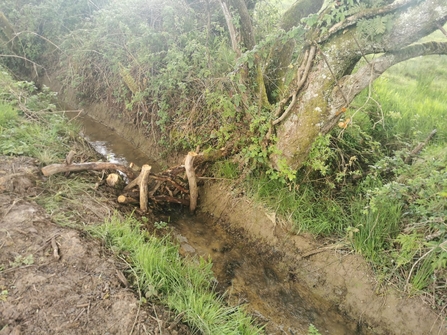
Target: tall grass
{"x":309,"y":210}
{"x":184,"y":285}
{"x":375,"y":230}
{"x":414,"y":99}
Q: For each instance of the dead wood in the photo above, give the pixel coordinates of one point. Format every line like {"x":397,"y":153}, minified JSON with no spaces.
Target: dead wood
{"x":69,"y":158}
{"x":420,"y":146}
{"x":192,"y":180}
{"x":115,"y":180}
{"x":58,"y":168}
{"x":167,"y":198}
{"x":144,"y":178}
{"x":171,"y":181}
{"x":55,"y":248}
{"x":123,"y":199}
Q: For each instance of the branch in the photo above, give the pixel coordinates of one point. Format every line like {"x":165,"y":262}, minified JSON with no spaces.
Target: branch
{"x":192,"y":180}
{"x":58,"y":168}
{"x":301,"y":81}
{"x":231,"y":28}
{"x":354,"y":84}
{"x":353,"y":19}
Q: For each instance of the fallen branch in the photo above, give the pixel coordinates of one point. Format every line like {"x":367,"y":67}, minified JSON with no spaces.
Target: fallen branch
{"x":167,"y":198}
{"x":58,"y":168}
{"x":419,"y":147}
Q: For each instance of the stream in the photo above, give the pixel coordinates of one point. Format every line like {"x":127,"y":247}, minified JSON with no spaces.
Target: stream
{"x":251,"y":272}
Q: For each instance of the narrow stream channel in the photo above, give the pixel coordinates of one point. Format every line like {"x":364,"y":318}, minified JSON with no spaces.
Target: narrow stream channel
{"x":251,"y":272}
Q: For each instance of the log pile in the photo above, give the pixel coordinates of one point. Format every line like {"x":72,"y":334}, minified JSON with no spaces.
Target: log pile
{"x":176,"y":185}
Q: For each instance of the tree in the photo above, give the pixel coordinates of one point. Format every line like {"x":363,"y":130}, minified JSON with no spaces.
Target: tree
{"x":328,"y":73}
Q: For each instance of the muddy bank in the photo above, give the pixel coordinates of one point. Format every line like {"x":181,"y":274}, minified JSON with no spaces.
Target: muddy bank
{"x":336,"y":281}
{"x":56,"y":280}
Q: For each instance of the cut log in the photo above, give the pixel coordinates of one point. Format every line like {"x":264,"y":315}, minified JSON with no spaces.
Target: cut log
{"x":144,"y":178}
{"x":115,"y":180}
{"x":122,"y":199}
{"x":134,"y":167}
{"x":58,"y":168}
{"x":192,"y":180}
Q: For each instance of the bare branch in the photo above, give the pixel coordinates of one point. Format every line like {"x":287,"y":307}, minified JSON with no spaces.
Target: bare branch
{"x":353,"y":84}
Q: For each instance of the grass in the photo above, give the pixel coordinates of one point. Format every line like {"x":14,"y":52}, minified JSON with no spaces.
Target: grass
{"x":309,"y":210}
{"x":185,"y":285}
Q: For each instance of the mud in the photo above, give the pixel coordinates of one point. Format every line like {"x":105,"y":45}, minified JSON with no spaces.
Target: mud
{"x":56,"y":280}
{"x":338,"y":290}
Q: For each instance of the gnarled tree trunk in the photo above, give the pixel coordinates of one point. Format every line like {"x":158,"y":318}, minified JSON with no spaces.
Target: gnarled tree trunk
{"x":313,"y":106}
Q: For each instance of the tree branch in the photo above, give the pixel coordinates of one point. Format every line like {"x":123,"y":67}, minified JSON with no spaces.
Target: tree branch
{"x":353,"y":19}
{"x":376,"y":67}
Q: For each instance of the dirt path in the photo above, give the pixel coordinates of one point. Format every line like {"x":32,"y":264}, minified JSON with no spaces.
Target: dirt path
{"x":56,"y":280}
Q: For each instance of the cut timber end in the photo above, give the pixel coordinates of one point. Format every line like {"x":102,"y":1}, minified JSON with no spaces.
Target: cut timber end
{"x":114,"y":180}
{"x":122,"y":199}
{"x":192,"y":180}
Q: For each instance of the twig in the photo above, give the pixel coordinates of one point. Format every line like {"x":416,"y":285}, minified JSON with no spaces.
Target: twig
{"x":79,"y":315}
{"x":420,"y":146}
{"x":17,"y":268}
{"x":333,"y":76}
{"x":177,"y":319}
{"x":441,"y":28}
{"x":10,"y":207}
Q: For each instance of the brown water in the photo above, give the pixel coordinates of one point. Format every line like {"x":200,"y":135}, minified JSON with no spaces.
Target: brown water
{"x":252,"y":272}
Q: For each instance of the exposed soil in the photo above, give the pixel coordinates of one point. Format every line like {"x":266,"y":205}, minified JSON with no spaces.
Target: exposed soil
{"x":56,"y":280}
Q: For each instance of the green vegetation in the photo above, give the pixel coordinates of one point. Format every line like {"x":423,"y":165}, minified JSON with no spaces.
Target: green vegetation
{"x":185,"y":285}
{"x":358,"y":185}
{"x":167,"y":68}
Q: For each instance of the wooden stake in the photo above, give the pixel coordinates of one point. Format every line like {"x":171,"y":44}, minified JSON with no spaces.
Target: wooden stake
{"x":145,"y":170}
{"x":192,"y":180}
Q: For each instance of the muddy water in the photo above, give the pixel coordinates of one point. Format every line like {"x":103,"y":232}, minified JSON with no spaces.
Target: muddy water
{"x":114,"y":148}
{"x":252,"y":272}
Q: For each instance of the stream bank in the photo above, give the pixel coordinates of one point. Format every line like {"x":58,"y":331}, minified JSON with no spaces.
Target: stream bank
{"x":286,"y":280}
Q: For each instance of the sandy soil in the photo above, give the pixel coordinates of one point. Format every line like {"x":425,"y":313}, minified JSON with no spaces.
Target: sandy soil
{"x":56,"y":280}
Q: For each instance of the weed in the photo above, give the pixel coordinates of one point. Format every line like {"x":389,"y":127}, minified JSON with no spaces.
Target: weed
{"x":160,"y":225}
{"x":22,"y":260}
{"x":4,"y":295}
{"x":185,"y":285}
{"x":313,"y":330}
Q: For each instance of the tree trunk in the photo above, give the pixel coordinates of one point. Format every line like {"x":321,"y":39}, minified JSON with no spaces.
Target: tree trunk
{"x":317,"y":105}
